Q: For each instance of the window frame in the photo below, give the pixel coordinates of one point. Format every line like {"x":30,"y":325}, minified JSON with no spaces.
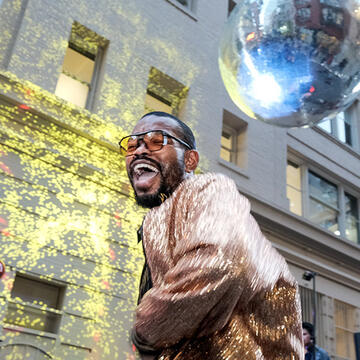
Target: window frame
{"x":233,"y":140}
{"x":350,"y":119}
{"x":80,"y":46}
{"x":57,"y":312}
{"x":341,"y":191}
{"x":295,"y":164}
{"x":238,"y":128}
{"x":347,"y":330}
{"x":167,"y":90}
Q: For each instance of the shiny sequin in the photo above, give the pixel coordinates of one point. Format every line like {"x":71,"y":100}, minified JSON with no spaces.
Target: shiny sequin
{"x":220,"y":290}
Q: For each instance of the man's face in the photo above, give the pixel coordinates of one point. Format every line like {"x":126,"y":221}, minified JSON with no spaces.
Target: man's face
{"x":306,"y":337}
{"x":162,"y":170}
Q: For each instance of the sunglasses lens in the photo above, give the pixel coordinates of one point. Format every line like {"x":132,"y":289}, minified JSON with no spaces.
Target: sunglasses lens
{"x":154,"y":141}
{"x":131,"y":144}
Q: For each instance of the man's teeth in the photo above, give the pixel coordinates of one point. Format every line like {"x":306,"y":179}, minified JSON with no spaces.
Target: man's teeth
{"x":140,"y":168}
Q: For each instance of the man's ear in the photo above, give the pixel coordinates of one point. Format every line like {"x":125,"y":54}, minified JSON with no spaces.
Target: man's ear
{"x":191,"y":160}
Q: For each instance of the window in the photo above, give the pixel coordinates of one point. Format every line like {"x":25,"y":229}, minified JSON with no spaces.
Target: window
{"x":307,"y":306}
{"x":345,"y":328}
{"x":336,"y":3}
{"x":35,"y":304}
{"x":80,"y":71}
{"x":303,"y":14}
{"x":155,"y":103}
{"x":331,"y":16}
{"x":164,"y":93}
{"x":339,"y":127}
{"x":293,"y":188}
{"x":351,"y":218}
{"x":228,"y":144}
{"x":233,"y":142}
{"x":322,"y":201}
{"x":302,"y":2}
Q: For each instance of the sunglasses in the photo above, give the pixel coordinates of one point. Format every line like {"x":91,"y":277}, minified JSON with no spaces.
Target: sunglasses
{"x":153,"y":139}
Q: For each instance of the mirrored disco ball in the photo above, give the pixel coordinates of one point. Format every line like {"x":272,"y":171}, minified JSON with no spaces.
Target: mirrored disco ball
{"x":292,"y":63}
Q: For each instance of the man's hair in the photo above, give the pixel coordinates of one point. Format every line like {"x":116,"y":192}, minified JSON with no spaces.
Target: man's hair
{"x":309,"y":327}
{"x":188,"y":135}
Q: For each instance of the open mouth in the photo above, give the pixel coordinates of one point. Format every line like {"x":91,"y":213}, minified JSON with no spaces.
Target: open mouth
{"x":144,"y":169}
{"x":144,"y":175}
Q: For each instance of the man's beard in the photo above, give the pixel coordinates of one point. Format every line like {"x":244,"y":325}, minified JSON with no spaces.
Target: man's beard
{"x":171,"y":177}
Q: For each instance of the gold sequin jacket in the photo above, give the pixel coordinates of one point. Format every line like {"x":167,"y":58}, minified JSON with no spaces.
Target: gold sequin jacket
{"x":220,"y":290}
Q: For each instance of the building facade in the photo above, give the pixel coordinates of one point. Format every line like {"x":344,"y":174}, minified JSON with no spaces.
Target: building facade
{"x":74,"y":79}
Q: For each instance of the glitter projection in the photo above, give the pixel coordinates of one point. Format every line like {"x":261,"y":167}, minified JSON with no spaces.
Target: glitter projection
{"x":68,"y":220}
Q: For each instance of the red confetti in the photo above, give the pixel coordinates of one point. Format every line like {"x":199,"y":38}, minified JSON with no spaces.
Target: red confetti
{"x":24,"y":107}
{"x":96,"y":337}
{"x":106,"y":284}
{"x":5,"y":168}
{"x":112,"y":254}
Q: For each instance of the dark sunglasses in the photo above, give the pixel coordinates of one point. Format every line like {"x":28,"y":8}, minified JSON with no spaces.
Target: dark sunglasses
{"x":153,"y":139}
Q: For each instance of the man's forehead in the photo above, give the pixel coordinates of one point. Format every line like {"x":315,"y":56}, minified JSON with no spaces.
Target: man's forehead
{"x":153,"y":122}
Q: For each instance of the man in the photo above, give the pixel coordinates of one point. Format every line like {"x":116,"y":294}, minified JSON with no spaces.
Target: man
{"x":312,"y":352}
{"x":212,"y":286}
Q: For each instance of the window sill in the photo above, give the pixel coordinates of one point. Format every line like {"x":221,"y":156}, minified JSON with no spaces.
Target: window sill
{"x":183,"y":8}
{"x":322,"y":229}
{"x":24,"y":330}
{"x":233,"y":167}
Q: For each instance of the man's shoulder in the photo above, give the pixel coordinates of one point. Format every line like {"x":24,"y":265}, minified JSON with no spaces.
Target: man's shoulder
{"x":211,"y":186}
{"x":209,"y":179}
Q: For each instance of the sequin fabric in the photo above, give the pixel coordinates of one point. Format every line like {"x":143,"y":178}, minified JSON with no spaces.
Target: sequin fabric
{"x":220,"y":290}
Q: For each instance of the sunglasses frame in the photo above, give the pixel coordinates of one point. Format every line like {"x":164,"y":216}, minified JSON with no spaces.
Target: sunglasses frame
{"x":165,"y":134}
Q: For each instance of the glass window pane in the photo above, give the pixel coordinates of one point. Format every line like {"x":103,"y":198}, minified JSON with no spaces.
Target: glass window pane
{"x":336,"y":3}
{"x":351,"y":218}
{"x":345,"y":328}
{"x":293,"y":176}
{"x":323,"y":216}
{"x":153,"y":104}
{"x":325,"y":125}
{"x":332,"y":16}
{"x":294,"y":197}
{"x":226,"y":140}
{"x":348,"y":139}
{"x":343,"y":127}
{"x":225,"y":154}
{"x":72,"y":90}
{"x":302,"y":2}
{"x":303,"y":14}
{"x":323,"y":189}
{"x":340,"y":126}
{"x":31,"y":291}
{"x":78,"y":66}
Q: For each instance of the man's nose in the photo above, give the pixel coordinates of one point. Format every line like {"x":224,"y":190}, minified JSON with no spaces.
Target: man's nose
{"x":142,"y":148}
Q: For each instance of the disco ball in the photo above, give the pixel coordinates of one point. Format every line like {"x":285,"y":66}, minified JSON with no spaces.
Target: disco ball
{"x":292,"y":63}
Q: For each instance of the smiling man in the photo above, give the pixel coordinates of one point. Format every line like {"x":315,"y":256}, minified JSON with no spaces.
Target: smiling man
{"x":212,"y":286}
